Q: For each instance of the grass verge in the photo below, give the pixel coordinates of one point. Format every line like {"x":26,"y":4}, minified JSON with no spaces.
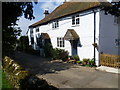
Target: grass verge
{"x":5,"y":83}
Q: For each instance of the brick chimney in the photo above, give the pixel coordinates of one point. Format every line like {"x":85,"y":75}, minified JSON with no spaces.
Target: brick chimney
{"x":46,"y":13}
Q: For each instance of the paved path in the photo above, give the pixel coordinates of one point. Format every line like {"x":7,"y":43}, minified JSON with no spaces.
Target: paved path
{"x":63,"y":75}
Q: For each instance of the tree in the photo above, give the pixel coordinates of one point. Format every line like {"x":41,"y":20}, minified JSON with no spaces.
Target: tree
{"x":23,"y":43}
{"x":11,"y":11}
{"x":113,"y":9}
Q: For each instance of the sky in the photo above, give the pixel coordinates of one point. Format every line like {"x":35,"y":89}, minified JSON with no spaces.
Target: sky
{"x":38,"y":11}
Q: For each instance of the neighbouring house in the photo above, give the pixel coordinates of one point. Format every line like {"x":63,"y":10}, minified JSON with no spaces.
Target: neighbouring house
{"x":81,"y":28}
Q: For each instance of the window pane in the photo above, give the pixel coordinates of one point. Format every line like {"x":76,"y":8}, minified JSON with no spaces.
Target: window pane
{"x":53,"y":25}
{"x":60,"y":43}
{"x":63,"y":42}
{"x":77,"y":21}
{"x":73,"y":20}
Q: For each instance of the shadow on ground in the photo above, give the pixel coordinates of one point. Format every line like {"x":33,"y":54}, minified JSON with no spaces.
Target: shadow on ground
{"x":39,"y":65}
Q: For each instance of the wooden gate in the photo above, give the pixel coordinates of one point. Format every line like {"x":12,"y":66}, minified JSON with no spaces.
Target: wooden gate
{"x":110,"y":60}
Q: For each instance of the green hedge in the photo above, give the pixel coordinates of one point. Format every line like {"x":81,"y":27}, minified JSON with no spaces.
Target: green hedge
{"x":20,"y":78}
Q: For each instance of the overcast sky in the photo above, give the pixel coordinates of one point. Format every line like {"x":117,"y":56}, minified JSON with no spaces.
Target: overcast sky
{"x":38,"y":13}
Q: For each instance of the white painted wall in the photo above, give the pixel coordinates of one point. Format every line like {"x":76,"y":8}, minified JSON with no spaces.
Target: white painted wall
{"x":85,"y":31}
{"x":106,"y":33}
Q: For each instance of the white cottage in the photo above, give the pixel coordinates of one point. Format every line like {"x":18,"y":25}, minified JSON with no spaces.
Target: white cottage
{"x":81,"y":28}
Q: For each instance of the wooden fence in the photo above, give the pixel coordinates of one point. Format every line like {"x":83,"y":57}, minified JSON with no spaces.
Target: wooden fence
{"x":110,"y":60}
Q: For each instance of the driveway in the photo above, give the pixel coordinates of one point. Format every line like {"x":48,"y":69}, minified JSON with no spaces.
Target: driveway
{"x":64,"y":75}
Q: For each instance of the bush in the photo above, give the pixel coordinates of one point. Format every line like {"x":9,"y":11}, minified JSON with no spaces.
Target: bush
{"x":85,"y":61}
{"x":76,"y":57}
{"x":55,"y":53}
{"x":48,"y":50}
{"x":63,"y":54}
{"x":79,"y":62}
{"x":91,"y":62}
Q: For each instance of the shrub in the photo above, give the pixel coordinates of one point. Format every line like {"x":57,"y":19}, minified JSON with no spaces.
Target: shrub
{"x":85,"y":61}
{"x":63,"y":54}
{"x":55,"y":54}
{"x":48,"y":50}
{"x":76,"y":57}
{"x":79,"y":62}
{"x":91,"y":62}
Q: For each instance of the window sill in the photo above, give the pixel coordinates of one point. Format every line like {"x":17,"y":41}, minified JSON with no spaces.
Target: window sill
{"x":55,"y":28}
{"x":75,"y":25}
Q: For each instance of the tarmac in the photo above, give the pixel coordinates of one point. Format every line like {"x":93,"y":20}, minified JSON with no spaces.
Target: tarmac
{"x":65,"y":75}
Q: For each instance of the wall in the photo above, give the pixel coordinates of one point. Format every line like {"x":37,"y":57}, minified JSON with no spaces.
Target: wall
{"x":85,"y":31}
{"x":108,"y":34}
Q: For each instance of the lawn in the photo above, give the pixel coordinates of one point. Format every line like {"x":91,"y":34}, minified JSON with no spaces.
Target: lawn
{"x":5,"y":82}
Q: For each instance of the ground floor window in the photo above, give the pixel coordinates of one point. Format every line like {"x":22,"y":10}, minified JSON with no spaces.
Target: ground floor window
{"x":60,"y":42}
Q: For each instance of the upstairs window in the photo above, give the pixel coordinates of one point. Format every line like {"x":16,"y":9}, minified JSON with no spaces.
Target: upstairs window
{"x":55,"y":24}
{"x":117,"y":42}
{"x":37,"y":30}
{"x":75,"y":20}
{"x":115,"y":20}
{"x":60,"y":42}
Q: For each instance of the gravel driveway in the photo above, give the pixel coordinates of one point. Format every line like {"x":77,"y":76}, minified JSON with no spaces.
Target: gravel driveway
{"x":64,"y":75}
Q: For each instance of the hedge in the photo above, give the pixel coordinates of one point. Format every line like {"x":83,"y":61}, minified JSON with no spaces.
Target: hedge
{"x":22,"y":79}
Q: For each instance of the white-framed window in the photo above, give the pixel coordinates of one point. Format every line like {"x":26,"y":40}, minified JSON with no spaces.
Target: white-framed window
{"x":37,"y":30}
{"x":55,"y":24}
{"x":75,"y":20}
{"x":115,"y":20}
{"x":117,"y":42}
{"x":60,"y":42}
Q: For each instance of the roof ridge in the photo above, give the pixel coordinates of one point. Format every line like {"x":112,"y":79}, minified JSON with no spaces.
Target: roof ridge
{"x":69,"y":8}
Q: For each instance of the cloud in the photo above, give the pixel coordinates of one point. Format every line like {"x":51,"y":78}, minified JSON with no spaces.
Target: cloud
{"x":50,"y":5}
{"x":24,"y":23}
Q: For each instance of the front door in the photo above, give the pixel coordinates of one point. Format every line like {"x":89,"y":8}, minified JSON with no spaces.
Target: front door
{"x":74,"y":47}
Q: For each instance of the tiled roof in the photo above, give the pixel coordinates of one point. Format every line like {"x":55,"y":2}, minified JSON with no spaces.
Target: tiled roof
{"x":69,"y":8}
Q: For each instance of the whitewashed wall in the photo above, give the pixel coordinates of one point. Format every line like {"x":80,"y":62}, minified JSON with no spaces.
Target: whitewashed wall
{"x":85,"y":31}
{"x":108,"y":34}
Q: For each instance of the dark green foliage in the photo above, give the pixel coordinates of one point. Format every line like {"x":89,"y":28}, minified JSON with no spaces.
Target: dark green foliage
{"x":23,"y":43}
{"x":59,"y":54}
{"x":79,"y":62}
{"x":48,"y":50}
{"x":5,"y":83}
{"x":91,"y":62}
{"x":55,"y":53}
{"x":114,"y":9}
{"x":11,"y":11}
{"x":63,"y":54}
{"x":85,"y":61}
{"x":76,"y":57}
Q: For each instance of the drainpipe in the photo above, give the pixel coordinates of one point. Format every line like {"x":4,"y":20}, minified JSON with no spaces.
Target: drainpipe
{"x":94,"y":35}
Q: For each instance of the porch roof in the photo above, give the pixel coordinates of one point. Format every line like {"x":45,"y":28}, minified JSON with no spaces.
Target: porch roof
{"x":45,"y":36}
{"x":71,"y":35}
